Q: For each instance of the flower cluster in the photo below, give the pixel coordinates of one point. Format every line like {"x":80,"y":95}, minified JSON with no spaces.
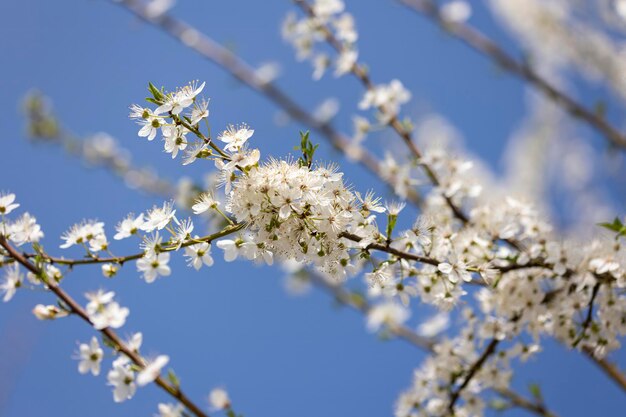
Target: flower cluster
{"x":175,"y":126}
{"x":123,"y":375}
{"x":518,"y":282}
{"x":297,"y":213}
{"x":22,"y":230}
{"x":304,"y":33}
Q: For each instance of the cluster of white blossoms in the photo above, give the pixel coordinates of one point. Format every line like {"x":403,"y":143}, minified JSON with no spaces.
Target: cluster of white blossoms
{"x":517,"y":281}
{"x":386,"y":98}
{"x":22,"y":230}
{"x":123,"y":376}
{"x":298,"y":213}
{"x":565,"y":37}
{"x":306,"y":32}
{"x":175,"y":126}
{"x":101,"y":311}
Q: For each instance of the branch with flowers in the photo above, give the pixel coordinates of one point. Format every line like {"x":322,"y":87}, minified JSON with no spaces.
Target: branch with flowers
{"x":451,"y":19}
{"x":297,"y":210}
{"x":489,"y":259}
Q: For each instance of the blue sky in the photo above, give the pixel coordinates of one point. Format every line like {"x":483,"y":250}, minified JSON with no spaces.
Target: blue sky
{"x":232,"y":325}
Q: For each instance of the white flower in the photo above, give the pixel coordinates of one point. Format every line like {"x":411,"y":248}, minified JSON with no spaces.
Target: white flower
{"x":434,"y":325}
{"x":151,"y":245}
{"x":320,"y":63}
{"x":457,"y":11}
{"x":90,"y":357}
{"x":53,"y":273}
{"x":98,"y":243}
{"x":387,"y":98}
{"x":455,"y":269}
{"x":199,"y":254}
{"x":48,"y":312}
{"x":84,"y":233}
{"x":195,"y":151}
{"x":152,"y":370}
{"x":230,"y":247}
{"x":199,"y":112}
{"x":175,"y":139}
{"x":242,"y":159}
{"x":122,"y":379}
{"x":235,"y":137}
{"x":604,"y":265}
{"x":159,"y":217}
{"x":150,"y":126}
{"x":128,"y":227}
{"x":395,"y":207}
{"x":181,"y":99}
{"x":388,"y":314}
{"x":218,"y":399}
{"x":109,"y":270}
{"x":104,"y":312}
{"x":154,"y":265}
{"x":345,"y":62}
{"x":13,"y":280}
{"x":204,"y":203}
{"x":171,"y":410}
{"x":7,"y":203}
{"x":135,"y":341}
{"x":327,"y":8}
{"x":183,"y":232}
{"x":344,"y":25}
{"x":25,"y":230}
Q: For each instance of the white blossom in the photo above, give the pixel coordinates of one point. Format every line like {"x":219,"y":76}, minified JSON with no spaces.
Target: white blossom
{"x":154,"y":265}
{"x":218,"y":399}
{"x":152,"y":371}
{"x":90,"y":357}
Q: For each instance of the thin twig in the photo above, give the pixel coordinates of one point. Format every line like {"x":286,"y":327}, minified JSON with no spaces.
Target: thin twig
{"x":472,"y":371}
{"x":608,"y":368}
{"x":208,"y":48}
{"x":75,"y":308}
{"x":521,"y":402}
{"x":479,"y":42}
{"x":122,"y":259}
{"x":362,"y":75}
{"x":406,"y":334}
{"x":589,"y":318}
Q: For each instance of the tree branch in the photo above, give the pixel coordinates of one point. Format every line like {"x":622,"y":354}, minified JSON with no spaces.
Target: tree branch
{"x":122,"y":259}
{"x":75,"y":308}
{"x":454,"y":397}
{"x":408,"y":335}
{"x":242,"y":71}
{"x":479,"y":42}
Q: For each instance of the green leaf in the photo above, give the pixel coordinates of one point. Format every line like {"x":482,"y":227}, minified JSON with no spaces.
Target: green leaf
{"x":307,"y":148}
{"x":108,"y":342}
{"x":535,"y":391}
{"x":171,"y":376}
{"x":156,"y":93}
{"x":499,"y":404}
{"x":616,"y":226}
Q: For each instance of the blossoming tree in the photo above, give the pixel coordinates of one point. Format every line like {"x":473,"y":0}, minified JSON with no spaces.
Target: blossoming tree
{"x":482,"y":252}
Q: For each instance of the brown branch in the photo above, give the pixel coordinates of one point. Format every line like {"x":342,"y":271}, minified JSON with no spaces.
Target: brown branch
{"x":479,"y":42}
{"x":454,"y":397}
{"x":363,"y":76}
{"x":75,"y":308}
{"x":521,"y":402}
{"x":589,"y":318}
{"x":609,"y":368}
{"x":408,"y":335}
{"x":122,"y":259}
{"x":242,"y":71}
{"x":361,"y":305}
